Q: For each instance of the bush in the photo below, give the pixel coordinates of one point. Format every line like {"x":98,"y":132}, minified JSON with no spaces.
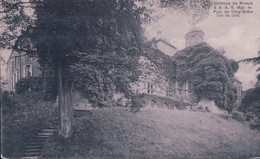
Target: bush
{"x":239,"y":116}
{"x":137,"y":102}
{"x":47,"y":87}
{"x":28,"y":84}
{"x":23,"y":116}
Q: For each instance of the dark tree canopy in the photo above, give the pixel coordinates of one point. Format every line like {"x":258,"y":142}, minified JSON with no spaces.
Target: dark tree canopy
{"x":255,"y":61}
{"x":210,"y":73}
{"x":251,"y":100}
{"x":92,"y":45}
{"x":251,"y":104}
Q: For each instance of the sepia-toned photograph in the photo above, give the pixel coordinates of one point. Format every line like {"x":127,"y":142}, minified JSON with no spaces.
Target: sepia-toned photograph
{"x":130,"y":79}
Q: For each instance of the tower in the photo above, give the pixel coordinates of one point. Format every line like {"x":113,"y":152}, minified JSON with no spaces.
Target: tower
{"x":194,"y":37}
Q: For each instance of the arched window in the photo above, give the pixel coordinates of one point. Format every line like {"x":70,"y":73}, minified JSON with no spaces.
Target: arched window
{"x":27,"y":70}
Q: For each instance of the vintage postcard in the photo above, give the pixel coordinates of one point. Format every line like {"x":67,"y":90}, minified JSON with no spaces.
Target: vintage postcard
{"x":130,"y":79}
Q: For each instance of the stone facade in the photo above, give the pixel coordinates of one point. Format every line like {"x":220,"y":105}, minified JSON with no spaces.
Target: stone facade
{"x":19,"y":65}
{"x":153,"y":82}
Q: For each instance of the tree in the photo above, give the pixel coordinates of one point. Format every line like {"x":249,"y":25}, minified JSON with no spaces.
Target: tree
{"x":91,"y":43}
{"x":250,"y":105}
{"x":255,"y":61}
{"x":210,"y":73}
{"x":251,"y":101}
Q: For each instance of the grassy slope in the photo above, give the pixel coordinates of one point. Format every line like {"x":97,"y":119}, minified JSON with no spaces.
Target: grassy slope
{"x":157,"y":133}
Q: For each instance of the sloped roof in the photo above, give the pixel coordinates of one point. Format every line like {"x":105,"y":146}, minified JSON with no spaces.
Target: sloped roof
{"x":166,"y":43}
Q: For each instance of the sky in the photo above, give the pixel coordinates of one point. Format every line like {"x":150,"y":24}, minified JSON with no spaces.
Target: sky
{"x":239,"y":36}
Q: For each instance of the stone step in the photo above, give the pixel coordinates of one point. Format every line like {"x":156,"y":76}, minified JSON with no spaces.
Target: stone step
{"x":34,"y":146}
{"x":54,"y":126}
{"x":45,"y":133}
{"x":39,"y":138}
{"x":31,"y":154}
{"x":44,"y":136}
{"x":49,"y":130}
{"x":36,"y":143}
{"x":34,"y":157}
{"x":33,"y":150}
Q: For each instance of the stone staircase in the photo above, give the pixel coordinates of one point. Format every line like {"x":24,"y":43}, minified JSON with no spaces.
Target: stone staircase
{"x":35,"y":145}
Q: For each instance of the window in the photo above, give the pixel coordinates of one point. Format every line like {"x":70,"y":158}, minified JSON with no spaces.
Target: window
{"x":15,"y":78}
{"x":12,"y":83}
{"x":150,"y":88}
{"x":169,"y":93}
{"x":18,"y":75}
{"x":12,"y":66}
{"x":15,"y":62}
{"x":28,"y":70}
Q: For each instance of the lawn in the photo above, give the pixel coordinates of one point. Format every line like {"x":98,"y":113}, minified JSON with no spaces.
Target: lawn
{"x":155,"y":134}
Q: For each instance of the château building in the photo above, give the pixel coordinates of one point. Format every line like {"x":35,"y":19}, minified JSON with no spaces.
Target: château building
{"x":152,"y":81}
{"x":19,"y":65}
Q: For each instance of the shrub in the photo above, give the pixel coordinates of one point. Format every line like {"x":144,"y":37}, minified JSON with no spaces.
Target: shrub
{"x":28,"y":84}
{"x":47,"y":87}
{"x":239,"y":116}
{"x":137,"y":102}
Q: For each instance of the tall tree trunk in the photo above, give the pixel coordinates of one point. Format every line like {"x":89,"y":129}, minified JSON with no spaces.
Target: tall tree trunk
{"x":65,"y":105}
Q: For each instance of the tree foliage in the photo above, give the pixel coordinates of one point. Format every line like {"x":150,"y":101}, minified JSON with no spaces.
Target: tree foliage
{"x":255,"y":61}
{"x":47,"y":87}
{"x":210,"y":73}
{"x":251,"y":104}
{"x":110,"y":62}
{"x":92,"y":44}
{"x":197,"y":10}
{"x":251,"y":100}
